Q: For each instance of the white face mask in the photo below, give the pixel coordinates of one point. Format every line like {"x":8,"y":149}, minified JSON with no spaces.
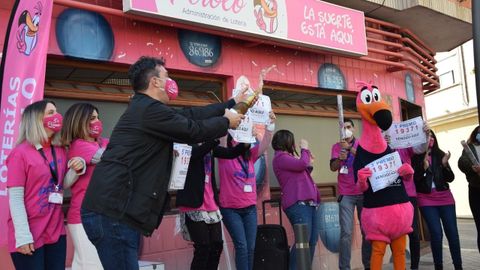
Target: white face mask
{"x":348,"y":134}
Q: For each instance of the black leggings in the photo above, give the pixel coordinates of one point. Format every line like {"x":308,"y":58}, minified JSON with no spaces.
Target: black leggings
{"x":208,"y":244}
{"x":414,"y":237}
{"x":474,"y":200}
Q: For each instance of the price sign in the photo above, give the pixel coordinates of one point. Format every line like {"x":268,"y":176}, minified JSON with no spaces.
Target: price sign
{"x":384,"y":171}
{"x":181,"y":160}
{"x":407,"y":133}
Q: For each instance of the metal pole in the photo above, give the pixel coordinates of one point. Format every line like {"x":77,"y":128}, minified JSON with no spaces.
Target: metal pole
{"x":302,"y":248}
{"x":476,"y":48}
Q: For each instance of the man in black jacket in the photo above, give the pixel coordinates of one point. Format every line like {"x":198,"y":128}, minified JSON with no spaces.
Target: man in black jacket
{"x":127,"y":194}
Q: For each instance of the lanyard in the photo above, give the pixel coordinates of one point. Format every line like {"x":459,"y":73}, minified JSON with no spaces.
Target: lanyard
{"x":244,"y":165}
{"x":53,"y":171}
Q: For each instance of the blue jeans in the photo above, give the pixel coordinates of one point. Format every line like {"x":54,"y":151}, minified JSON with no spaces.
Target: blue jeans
{"x":242,"y":227}
{"x":303,"y":214}
{"x":117,"y":244}
{"x":346,"y":215}
{"x":48,"y":257}
{"x":446,"y":214}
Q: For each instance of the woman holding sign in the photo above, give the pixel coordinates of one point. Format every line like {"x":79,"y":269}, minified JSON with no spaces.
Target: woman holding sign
{"x":471,"y":169}
{"x":37,"y":169}
{"x":238,"y":197}
{"x":436,"y":202}
{"x":81,"y":134}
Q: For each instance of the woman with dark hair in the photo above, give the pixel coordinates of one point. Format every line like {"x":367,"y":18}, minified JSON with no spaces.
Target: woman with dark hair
{"x":81,"y":134}
{"x":37,"y":170}
{"x":198,"y":203}
{"x":238,"y":197}
{"x":436,"y":202}
{"x":472,"y":172}
{"x":300,"y":197}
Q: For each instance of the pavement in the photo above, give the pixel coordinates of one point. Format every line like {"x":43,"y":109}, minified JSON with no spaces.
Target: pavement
{"x":468,"y":244}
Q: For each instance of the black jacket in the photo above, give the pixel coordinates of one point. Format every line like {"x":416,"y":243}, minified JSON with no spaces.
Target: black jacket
{"x":130,"y":183}
{"x":465,"y":165}
{"x":192,"y":194}
{"x":435,"y":172}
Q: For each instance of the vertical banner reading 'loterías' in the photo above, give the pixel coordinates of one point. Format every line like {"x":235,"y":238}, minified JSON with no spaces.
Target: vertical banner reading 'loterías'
{"x":22,"y":76}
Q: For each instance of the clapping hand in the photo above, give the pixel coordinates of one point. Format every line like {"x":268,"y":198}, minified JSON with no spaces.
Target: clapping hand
{"x":445,"y":158}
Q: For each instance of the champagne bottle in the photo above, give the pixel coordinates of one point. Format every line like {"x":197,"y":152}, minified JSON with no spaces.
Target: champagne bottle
{"x":243,"y":106}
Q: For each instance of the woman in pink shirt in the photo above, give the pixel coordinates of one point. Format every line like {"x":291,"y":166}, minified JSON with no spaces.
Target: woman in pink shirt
{"x":81,"y":135}
{"x":436,"y":202}
{"x":300,"y":196}
{"x":238,"y":198}
{"x":37,"y":169}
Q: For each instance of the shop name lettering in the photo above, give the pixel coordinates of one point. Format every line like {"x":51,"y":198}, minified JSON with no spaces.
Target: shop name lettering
{"x":27,"y":88}
{"x":227,"y":5}
{"x":315,"y":25}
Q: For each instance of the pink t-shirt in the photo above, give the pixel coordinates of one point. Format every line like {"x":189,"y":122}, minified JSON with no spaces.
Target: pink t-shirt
{"x":237,"y":189}
{"x":28,"y":169}
{"x":406,"y":155}
{"x":435,"y":198}
{"x":209,"y":203}
{"x":346,"y":182}
{"x":86,"y":150}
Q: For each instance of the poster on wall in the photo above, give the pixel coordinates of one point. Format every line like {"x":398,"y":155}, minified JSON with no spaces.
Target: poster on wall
{"x":200,"y":49}
{"x":22,"y":78}
{"x":331,"y":77}
{"x":314,"y":24}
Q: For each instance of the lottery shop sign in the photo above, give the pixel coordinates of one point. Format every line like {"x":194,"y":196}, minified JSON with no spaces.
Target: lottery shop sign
{"x":307,"y":23}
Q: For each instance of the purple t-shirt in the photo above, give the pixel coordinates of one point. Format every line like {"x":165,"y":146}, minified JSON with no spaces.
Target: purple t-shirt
{"x":294,"y":177}
{"x":346,"y":181}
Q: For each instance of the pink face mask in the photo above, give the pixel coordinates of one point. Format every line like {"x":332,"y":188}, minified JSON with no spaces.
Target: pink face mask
{"x":171,"y":88}
{"x":431,"y":142}
{"x":95,"y":129}
{"x":53,"y":122}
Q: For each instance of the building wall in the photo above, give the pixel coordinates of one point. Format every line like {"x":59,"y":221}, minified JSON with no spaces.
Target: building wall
{"x":452,"y":112}
{"x":294,"y":68}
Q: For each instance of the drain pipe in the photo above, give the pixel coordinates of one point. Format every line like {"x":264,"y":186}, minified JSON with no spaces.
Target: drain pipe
{"x":476,"y":47}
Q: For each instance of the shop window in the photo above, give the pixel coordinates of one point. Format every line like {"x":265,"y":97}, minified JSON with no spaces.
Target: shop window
{"x":107,"y":87}
{"x":447,"y":79}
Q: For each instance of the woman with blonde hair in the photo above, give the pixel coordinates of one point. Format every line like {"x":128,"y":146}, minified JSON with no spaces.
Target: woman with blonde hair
{"x":37,"y":169}
{"x":81,"y":135}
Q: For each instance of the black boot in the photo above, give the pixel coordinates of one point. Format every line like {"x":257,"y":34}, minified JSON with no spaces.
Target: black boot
{"x":458,"y":267}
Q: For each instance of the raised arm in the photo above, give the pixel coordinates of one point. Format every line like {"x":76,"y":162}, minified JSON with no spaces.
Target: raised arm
{"x":291,"y":163}
{"x":199,"y":151}
{"x":164,"y":122}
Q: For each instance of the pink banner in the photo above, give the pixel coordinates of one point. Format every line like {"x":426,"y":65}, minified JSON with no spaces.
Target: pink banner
{"x":306,"y":23}
{"x":22,"y":76}
{"x":331,"y":26}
